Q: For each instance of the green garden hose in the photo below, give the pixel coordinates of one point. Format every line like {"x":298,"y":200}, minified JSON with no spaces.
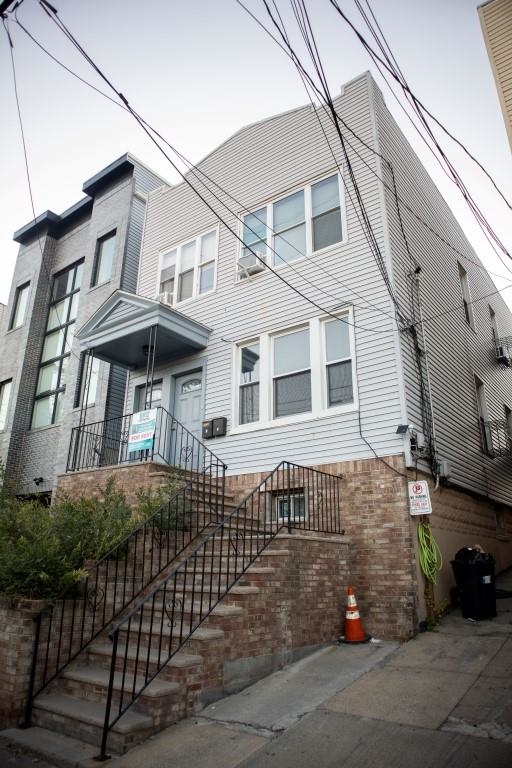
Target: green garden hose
{"x":431,"y":560}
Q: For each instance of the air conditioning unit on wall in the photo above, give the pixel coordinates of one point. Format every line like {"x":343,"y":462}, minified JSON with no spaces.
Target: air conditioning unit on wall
{"x":250,"y":265}
{"x":164,"y":298}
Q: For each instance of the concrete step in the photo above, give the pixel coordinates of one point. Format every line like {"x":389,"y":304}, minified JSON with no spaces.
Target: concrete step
{"x":84,"y":719}
{"x":55,"y":748}
{"x":96,"y":677}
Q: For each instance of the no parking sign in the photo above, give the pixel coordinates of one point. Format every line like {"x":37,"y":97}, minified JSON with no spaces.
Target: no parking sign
{"x":419,"y":498}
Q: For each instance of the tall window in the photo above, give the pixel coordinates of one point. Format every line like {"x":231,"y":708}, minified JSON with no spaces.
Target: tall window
{"x":249,"y":396}
{"x":306,"y":370}
{"x":85,"y":393}
{"x":293,"y":227}
{"x":155,"y":393}
{"x":20,"y":306}
{"x":508,"y":424}
{"x":104,"y":259}
{"x":466,"y":295}
{"x":483,"y":416}
{"x":53,"y":369}
{"x":189,"y":269}
{"x":5,"y":395}
{"x":338,"y":378}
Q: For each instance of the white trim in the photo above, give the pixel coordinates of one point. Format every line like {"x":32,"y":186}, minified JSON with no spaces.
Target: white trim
{"x":270,"y":256}
{"x":197,"y":266}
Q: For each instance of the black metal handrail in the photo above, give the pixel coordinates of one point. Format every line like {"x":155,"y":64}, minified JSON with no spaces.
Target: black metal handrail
{"x":107,"y":443}
{"x":67,"y":625}
{"x":291,"y":496}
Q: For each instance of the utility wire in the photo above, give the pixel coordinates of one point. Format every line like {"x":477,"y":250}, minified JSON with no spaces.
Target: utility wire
{"x":455,"y":308}
{"x":197,"y":170}
{"x":53,"y":15}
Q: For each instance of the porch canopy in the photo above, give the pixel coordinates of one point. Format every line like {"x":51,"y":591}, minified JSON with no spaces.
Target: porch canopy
{"x":127,"y":329}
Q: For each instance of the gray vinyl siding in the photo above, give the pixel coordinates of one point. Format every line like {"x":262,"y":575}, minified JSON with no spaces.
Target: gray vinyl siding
{"x":259,"y":164}
{"x":455,"y":352}
{"x":130,"y":267}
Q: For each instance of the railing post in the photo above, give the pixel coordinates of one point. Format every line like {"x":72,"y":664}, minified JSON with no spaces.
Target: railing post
{"x":103,"y":753}
{"x":289,"y":497}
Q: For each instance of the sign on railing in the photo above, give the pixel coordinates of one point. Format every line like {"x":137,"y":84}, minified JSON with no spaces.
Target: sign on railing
{"x":142,"y":431}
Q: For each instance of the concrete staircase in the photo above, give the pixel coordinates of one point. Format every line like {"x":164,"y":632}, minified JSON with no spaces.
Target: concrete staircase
{"x":198,"y":673}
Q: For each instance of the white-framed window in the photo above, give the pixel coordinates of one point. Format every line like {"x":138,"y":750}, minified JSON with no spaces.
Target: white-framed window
{"x":466,"y":296}
{"x":295,"y":503}
{"x":19,"y":309}
{"x":5,"y":396}
{"x":188,"y":270}
{"x":292,"y":227}
{"x":294,"y":374}
{"x":88,"y":375}
{"x":104,"y":259}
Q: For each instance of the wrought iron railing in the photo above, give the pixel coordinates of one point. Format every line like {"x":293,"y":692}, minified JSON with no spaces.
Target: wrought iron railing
{"x":107,"y":442}
{"x":496,"y":437}
{"x":156,"y":629}
{"x":67,"y":625}
{"x":503,"y":347}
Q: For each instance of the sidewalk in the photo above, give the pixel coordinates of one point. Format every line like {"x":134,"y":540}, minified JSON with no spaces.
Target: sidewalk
{"x":442,"y":699}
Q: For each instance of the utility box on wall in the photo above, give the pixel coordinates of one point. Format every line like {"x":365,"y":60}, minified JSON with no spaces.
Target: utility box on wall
{"x":220,"y":426}
{"x":215,"y":427}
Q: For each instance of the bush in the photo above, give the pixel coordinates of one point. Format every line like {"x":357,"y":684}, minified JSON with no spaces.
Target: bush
{"x":42,"y":549}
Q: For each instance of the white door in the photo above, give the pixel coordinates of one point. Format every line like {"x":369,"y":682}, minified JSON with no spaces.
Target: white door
{"x":188,"y":410}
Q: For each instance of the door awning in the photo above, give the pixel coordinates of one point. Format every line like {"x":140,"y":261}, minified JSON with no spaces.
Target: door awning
{"x":119,"y":331}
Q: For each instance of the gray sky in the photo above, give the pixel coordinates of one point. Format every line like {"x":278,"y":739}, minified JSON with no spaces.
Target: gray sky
{"x":198,"y":70}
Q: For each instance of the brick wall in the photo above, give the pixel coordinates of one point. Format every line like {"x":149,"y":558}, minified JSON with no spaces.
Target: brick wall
{"x":16,"y":642}
{"x":128,"y":478}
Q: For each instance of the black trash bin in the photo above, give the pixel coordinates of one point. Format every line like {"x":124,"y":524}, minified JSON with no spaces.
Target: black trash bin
{"x":474,"y":576}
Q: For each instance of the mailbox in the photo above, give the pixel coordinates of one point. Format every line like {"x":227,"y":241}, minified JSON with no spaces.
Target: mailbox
{"x":220,"y":426}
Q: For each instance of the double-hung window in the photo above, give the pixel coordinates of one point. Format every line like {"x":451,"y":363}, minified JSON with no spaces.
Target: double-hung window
{"x":291,"y":382}
{"x":294,"y":226}
{"x":338,"y":363}
{"x":20,"y":306}
{"x":297,"y":372}
{"x":466,"y":296}
{"x":189,"y":269}
{"x":249,"y":391}
{"x":58,"y":340}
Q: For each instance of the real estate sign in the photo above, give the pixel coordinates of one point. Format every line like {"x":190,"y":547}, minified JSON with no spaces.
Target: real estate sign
{"x":419,"y":498}
{"x":142,"y":430}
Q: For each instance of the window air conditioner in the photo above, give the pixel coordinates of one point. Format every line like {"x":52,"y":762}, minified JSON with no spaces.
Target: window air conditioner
{"x":250,"y":264}
{"x":164,"y":298}
{"x":501,"y":355}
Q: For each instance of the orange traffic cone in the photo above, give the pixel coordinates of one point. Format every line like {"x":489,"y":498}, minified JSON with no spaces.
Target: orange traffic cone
{"x":354,"y":632}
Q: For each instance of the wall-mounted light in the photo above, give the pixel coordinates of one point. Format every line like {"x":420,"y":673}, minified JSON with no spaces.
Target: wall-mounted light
{"x":38,"y":480}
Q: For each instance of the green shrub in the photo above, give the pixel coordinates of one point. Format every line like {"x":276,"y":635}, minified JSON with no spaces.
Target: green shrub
{"x":42,"y":549}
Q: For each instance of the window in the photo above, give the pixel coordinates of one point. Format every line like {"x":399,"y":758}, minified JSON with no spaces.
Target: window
{"x":54,"y":366}
{"x":104,"y":259}
{"x":295,"y":373}
{"x":249,"y":396}
{"x":291,"y":373}
{"x":293,"y":227}
{"x":89,"y":381}
{"x":189,"y":269}
{"x":466,"y":296}
{"x":295,"y":503}
{"x":140,"y":403}
{"x":508,"y":424}
{"x":338,"y":363}
{"x":494,"y":327}
{"x":483,"y":417}
{"x":5,"y":395}
{"x":20,"y":306}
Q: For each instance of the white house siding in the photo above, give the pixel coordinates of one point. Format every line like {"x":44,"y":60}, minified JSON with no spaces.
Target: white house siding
{"x":456,"y":352}
{"x":260,"y":163}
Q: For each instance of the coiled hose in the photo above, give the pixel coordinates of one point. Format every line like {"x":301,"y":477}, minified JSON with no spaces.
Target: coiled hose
{"x":431,"y":560}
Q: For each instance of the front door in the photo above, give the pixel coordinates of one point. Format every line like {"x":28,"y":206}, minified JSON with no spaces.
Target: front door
{"x":188,"y":410}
